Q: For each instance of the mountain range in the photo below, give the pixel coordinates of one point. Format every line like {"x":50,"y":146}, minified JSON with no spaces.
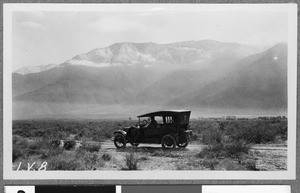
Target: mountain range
{"x":126,"y":79}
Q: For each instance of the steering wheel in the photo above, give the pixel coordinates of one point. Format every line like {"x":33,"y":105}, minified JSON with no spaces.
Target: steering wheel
{"x":145,"y":122}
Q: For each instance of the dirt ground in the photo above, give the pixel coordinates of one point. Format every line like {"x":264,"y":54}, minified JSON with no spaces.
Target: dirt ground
{"x":152,"y":157}
{"x":270,"y":158}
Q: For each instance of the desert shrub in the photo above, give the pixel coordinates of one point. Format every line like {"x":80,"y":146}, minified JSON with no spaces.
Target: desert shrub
{"x":212,"y":136}
{"x":23,"y":148}
{"x":261,"y":131}
{"x":60,"y":129}
{"x":90,"y":147}
{"x":91,"y":161}
{"x":225,"y":149}
{"x":35,"y":147}
{"x":229,"y":164}
{"x":78,"y":136}
{"x":69,"y":144}
{"x":98,"y":130}
{"x":281,"y":130}
{"x":50,"y":152}
{"x":72,"y":161}
{"x":252,"y":131}
{"x":250,"y":164}
{"x":108,"y":135}
{"x":195,"y":137}
{"x":43,"y":149}
{"x":248,"y":161}
{"x":222,"y":144}
{"x":20,"y":147}
{"x":55,"y":142}
{"x":228,"y":156}
{"x":106,"y":157}
{"x":236,"y":148}
{"x":63,"y":162}
{"x":80,"y":152}
{"x":17,"y":153}
{"x":131,"y":161}
{"x":210,"y":163}
{"x":88,"y":160}
{"x":20,"y":141}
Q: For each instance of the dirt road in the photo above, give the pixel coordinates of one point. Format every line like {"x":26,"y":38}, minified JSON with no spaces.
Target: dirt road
{"x":109,"y":145}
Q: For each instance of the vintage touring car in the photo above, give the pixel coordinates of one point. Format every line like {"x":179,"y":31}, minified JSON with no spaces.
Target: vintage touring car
{"x":168,"y":128}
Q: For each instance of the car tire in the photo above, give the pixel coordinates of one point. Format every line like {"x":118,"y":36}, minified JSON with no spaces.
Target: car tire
{"x":168,"y":142}
{"x":134,"y":144}
{"x":120,"y":141}
{"x":182,"y":141}
{"x":183,"y":145}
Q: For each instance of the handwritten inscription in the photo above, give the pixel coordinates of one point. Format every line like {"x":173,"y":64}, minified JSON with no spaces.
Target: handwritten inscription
{"x":31,"y":166}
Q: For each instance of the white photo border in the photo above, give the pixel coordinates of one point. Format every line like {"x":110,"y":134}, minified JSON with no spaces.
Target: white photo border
{"x":289,"y":174}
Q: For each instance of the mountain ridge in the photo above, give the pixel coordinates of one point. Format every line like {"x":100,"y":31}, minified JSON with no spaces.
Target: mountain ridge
{"x":258,"y":84}
{"x":228,"y":82}
{"x":152,"y":54}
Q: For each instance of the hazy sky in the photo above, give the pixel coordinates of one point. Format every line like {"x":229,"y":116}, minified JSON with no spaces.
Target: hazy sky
{"x":43,"y":37}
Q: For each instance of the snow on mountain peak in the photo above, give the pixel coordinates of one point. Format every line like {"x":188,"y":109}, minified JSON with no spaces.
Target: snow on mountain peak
{"x":116,"y":54}
{"x":35,"y":69}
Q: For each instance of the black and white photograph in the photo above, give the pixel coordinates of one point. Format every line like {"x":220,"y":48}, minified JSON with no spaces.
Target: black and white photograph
{"x":161,"y":91}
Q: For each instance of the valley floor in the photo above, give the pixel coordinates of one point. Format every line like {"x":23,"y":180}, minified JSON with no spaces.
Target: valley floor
{"x":257,"y":145}
{"x":151,"y":157}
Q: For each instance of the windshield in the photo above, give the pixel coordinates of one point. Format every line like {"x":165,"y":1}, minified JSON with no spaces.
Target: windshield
{"x":144,"y":121}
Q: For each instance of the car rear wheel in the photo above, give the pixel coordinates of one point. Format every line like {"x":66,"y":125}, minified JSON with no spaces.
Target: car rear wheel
{"x":182,"y":144}
{"x":135,"y":144}
{"x":182,"y":141}
{"x":168,"y":142}
{"x":120,"y":141}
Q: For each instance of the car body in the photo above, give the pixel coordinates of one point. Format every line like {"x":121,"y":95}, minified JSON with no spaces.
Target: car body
{"x":168,"y":128}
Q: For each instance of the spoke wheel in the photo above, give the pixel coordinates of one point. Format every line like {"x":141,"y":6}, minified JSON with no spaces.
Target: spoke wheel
{"x":168,"y":142}
{"x":182,"y":141}
{"x":120,"y":141}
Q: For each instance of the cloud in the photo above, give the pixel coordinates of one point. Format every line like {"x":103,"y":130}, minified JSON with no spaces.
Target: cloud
{"x":116,"y":25}
{"x":31,"y":25}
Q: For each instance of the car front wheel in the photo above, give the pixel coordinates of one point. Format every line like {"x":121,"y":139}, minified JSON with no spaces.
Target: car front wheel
{"x":168,"y":142}
{"x":120,"y":141}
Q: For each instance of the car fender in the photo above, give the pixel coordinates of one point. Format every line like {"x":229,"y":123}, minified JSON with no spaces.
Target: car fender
{"x":188,"y":133}
{"x":120,"y":132}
